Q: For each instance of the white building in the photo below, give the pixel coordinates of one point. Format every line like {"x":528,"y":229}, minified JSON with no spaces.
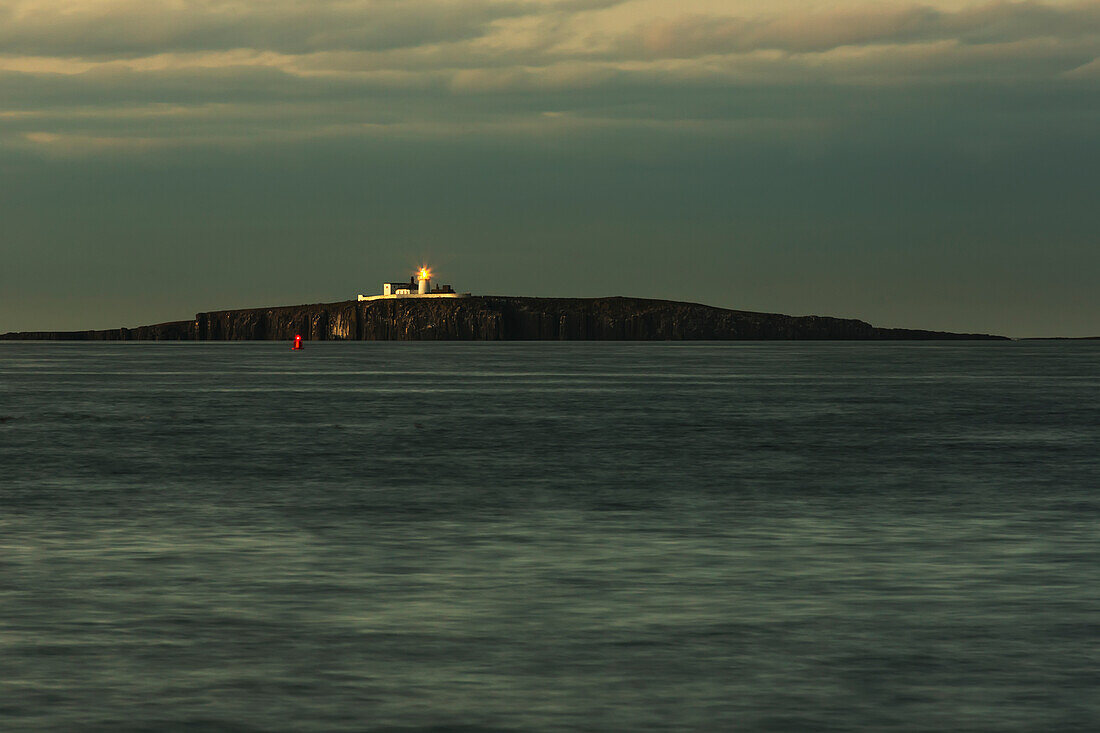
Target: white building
{"x":418,"y":286}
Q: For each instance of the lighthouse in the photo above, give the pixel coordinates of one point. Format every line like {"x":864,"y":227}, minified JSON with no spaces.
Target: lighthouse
{"x":419,"y":285}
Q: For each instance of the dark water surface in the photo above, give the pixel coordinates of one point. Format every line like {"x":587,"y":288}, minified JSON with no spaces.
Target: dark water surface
{"x":543,"y":536}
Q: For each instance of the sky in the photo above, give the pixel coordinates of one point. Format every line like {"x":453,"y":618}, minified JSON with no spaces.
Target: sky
{"x":926,"y":165}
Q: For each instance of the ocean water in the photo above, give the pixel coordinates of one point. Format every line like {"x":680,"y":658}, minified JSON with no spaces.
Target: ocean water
{"x":550,"y":537}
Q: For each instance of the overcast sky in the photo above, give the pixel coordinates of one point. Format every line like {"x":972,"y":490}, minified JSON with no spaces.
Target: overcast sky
{"x":929,"y":165}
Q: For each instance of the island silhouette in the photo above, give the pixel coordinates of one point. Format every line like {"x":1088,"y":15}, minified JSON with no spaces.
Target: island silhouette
{"x":499,"y":318}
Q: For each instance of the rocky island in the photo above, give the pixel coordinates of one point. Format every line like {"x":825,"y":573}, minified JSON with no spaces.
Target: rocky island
{"x":498,"y":318}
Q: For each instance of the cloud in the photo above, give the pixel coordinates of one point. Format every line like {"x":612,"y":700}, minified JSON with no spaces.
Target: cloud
{"x":101,"y":72}
{"x":126,"y":28}
{"x":103,"y":28}
{"x":1002,"y":22}
{"x":1090,"y":70}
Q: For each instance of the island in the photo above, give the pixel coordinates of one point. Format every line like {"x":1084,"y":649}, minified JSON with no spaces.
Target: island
{"x":498,"y":318}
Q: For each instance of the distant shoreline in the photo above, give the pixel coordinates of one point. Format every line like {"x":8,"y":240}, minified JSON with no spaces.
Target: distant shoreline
{"x":500,"y":318}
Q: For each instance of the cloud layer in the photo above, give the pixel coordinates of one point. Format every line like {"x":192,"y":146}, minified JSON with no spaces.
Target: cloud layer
{"x":184,"y":72}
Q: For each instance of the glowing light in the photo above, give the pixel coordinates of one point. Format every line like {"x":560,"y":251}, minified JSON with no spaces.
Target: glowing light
{"x":424,"y":274}
{"x":297,"y":342}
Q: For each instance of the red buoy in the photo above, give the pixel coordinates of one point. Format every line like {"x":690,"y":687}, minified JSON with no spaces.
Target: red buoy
{"x":297,"y":343}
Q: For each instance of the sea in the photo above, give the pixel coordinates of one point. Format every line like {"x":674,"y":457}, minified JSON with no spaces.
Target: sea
{"x":720,"y":536}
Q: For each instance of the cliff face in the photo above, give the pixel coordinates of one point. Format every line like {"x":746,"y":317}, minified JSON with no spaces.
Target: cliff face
{"x":493,"y":318}
{"x":379,"y":320}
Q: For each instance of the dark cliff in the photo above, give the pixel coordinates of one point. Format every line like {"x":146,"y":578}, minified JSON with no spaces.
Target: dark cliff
{"x":494,"y":318}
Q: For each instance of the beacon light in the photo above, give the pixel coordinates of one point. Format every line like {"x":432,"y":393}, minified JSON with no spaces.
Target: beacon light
{"x":297,"y":343}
